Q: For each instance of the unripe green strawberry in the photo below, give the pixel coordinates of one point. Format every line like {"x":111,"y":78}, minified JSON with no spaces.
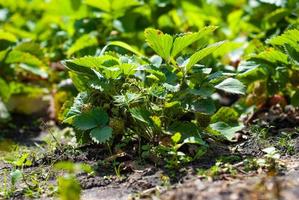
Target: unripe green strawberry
{"x":117,"y":125}
{"x":203,"y":120}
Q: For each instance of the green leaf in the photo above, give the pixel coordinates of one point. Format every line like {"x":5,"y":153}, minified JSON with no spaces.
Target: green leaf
{"x":181,"y":42}
{"x":77,"y":106}
{"x":128,"y":69}
{"x":176,"y":137}
{"x":32,"y":48}
{"x":115,"y":6}
{"x":68,"y":188}
{"x":161,"y":43}
{"x":141,"y":115}
{"x":271,"y":55}
{"x":4,"y":90}
{"x":7,"y":36}
{"x":85,"y":64}
{"x":104,"y":5}
{"x":101,"y":135}
{"x":16,"y":176}
{"x":4,"y":114}
{"x":289,"y":37}
{"x":186,"y":129}
{"x":34,"y":70}
{"x":206,"y":106}
{"x":3,"y":54}
{"x":84,"y":121}
{"x":295,"y":99}
{"x":122,"y":45}
{"x":276,"y":15}
{"x":91,"y":119}
{"x":16,"y":56}
{"x":225,"y":130}
{"x":196,"y":57}
{"x":250,"y":71}
{"x":225,"y":114}
{"x":27,"y":62}
{"x":231,"y":85}
{"x":292,"y":53}
{"x":83,"y":42}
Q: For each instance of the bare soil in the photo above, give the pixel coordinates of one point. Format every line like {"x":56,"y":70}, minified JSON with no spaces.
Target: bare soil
{"x":152,"y":181}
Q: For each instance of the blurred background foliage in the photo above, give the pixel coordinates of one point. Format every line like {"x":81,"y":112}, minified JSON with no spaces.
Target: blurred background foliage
{"x":36,"y":34}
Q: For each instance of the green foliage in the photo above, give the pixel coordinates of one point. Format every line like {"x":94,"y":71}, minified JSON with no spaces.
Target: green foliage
{"x":69,"y":188}
{"x":122,"y":90}
{"x":153,"y":97}
{"x":276,"y":66}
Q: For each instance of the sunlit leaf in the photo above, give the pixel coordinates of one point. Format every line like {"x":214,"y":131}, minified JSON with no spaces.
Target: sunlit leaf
{"x":231,"y":85}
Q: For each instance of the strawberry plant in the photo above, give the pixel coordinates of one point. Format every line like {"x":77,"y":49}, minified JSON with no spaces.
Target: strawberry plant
{"x":147,"y":97}
{"x":274,"y":71}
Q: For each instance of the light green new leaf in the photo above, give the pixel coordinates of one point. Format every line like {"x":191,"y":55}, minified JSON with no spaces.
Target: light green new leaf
{"x":231,"y":85}
{"x":83,"y":42}
{"x":122,"y":45}
{"x":104,"y":5}
{"x":225,"y":129}
{"x":23,"y":57}
{"x":101,"y":135}
{"x":176,"y":137}
{"x":7,"y":36}
{"x":34,"y":49}
{"x":272,"y":55}
{"x":181,"y":42}
{"x":196,"y":57}
{"x":27,"y":62}
{"x":225,"y":114}
{"x":34,"y":70}
{"x":112,"y":5}
{"x":128,"y":69}
{"x":161,"y":43}
{"x":289,"y":37}
{"x":85,"y":64}
{"x":4,"y":90}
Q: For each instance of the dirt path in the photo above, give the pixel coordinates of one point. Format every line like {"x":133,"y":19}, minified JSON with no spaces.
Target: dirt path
{"x":247,"y":187}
